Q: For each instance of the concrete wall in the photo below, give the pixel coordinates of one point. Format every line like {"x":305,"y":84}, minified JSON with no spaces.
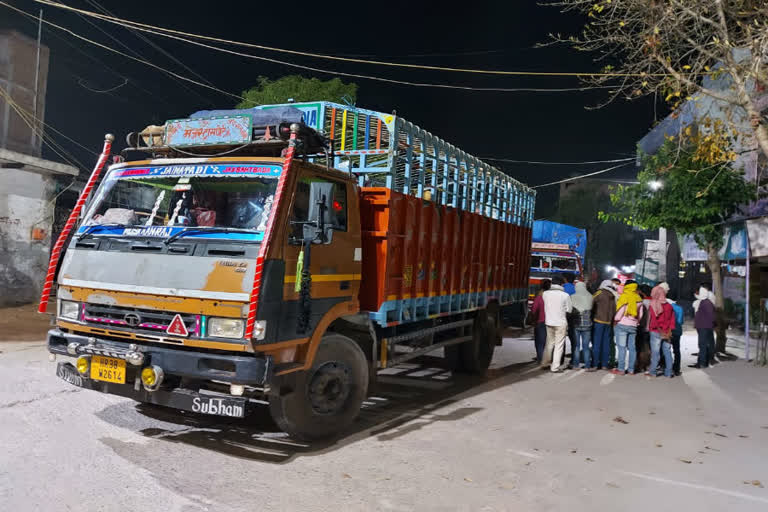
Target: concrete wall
{"x":18,"y":56}
{"x":25,"y":204}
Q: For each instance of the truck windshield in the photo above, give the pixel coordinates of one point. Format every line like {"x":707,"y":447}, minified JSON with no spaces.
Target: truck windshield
{"x":554,"y":263}
{"x":200,"y":201}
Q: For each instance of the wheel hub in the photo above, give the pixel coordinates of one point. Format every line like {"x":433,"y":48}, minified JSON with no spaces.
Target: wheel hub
{"x":329,"y":388}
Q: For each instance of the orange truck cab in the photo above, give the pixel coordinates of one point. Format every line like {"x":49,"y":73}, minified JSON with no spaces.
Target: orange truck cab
{"x":286,"y":253}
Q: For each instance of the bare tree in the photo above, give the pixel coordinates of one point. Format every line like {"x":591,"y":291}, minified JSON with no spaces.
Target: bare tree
{"x":678,"y":48}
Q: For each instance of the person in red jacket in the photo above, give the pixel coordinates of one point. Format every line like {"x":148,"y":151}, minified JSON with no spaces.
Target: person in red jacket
{"x":539,"y":320}
{"x":660,"y":325}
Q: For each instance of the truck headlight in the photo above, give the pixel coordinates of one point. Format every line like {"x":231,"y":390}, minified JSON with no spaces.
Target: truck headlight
{"x":225,"y":327}
{"x":69,"y":309}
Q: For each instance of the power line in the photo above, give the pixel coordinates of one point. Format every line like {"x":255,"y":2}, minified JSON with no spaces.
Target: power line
{"x":136,"y":24}
{"x":81,"y":83}
{"x":574,"y":178}
{"x":353,"y":75}
{"x":508,"y":160}
{"x":34,"y":20}
{"x":139,"y":55}
{"x":28,"y":120}
{"x":154,"y":45}
{"x":100,"y":45}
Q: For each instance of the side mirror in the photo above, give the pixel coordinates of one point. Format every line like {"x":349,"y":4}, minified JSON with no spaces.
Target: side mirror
{"x":321,"y":217}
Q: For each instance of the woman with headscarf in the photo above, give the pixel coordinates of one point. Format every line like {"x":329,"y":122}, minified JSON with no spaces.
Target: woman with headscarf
{"x":629,"y":313}
{"x":662,"y":321}
{"x":603,"y":309}
{"x":582,"y":304}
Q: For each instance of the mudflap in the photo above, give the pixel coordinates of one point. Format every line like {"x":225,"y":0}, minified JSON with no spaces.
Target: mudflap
{"x":179,"y":398}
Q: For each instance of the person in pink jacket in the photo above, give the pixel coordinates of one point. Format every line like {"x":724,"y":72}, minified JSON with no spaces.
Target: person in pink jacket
{"x":662,"y":322}
{"x":629,"y":312}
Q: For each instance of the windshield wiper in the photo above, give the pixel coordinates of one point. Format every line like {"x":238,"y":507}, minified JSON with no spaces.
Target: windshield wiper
{"x":191,"y":230}
{"x":90,"y":229}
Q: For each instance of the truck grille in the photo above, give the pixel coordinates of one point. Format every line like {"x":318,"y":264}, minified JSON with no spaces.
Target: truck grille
{"x":145,"y":320}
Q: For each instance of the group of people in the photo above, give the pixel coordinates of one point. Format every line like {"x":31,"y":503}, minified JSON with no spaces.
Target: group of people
{"x":617,"y":314}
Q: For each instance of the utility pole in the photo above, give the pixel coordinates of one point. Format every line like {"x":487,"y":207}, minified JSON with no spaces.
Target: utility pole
{"x":662,"y":255}
{"x":37,"y":76}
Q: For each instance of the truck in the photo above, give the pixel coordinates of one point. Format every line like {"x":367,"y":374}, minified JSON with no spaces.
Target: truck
{"x":283,"y":254}
{"x":556,"y":249}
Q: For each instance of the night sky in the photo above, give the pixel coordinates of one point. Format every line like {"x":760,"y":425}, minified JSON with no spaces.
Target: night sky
{"x":499,"y":35}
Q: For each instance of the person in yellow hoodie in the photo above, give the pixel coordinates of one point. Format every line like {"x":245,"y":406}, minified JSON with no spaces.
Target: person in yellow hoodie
{"x":629,"y":312}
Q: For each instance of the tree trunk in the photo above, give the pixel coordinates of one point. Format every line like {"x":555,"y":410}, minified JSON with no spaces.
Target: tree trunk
{"x":713,"y":260}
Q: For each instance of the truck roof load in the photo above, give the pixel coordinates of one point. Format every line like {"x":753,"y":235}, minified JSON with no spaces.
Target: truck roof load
{"x":382,"y":150}
{"x":545,"y":231}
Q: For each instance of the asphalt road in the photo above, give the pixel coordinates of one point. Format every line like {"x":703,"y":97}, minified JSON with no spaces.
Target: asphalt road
{"x":520,"y":439}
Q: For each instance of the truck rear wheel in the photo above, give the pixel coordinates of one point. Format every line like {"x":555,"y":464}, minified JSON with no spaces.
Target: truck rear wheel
{"x":327,"y":397}
{"x":475,"y":356}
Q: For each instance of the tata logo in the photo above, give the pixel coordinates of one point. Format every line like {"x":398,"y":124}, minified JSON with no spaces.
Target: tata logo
{"x":132,"y":319}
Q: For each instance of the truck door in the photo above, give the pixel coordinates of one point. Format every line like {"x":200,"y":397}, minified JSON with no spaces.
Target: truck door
{"x":334,"y":256}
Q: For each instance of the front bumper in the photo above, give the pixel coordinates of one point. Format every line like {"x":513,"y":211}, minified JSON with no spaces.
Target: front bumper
{"x":184,"y":399}
{"x":246,"y":370}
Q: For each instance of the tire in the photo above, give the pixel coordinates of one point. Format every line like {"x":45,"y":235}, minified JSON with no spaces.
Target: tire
{"x":476,"y":355}
{"x":327,"y":397}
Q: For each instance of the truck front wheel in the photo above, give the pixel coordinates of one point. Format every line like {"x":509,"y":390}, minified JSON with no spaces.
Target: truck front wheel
{"x":327,"y":397}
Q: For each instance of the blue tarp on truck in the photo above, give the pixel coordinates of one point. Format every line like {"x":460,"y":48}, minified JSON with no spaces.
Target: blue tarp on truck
{"x":546,"y":231}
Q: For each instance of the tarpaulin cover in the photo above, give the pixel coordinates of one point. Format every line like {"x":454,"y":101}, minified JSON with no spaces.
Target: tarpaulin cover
{"x":546,"y":231}
{"x":268,"y":117}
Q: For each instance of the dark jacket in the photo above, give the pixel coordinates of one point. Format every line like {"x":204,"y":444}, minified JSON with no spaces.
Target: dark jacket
{"x":537,"y":310}
{"x":705,"y":315}
{"x":679,"y":319}
{"x":604,"y":307}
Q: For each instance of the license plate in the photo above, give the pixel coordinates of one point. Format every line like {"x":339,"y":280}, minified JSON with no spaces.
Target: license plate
{"x":108,"y":369}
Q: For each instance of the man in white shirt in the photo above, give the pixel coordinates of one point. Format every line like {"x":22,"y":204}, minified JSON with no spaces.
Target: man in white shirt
{"x":557,"y":305}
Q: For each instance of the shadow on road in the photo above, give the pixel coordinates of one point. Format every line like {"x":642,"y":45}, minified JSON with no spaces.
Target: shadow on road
{"x":408,"y":398}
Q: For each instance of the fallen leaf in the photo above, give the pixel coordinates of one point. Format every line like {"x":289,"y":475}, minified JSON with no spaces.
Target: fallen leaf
{"x":702,"y":452}
{"x":651,"y":412}
{"x":589,"y":459}
{"x":346,"y":475}
{"x":757,"y":483}
{"x":573,"y":451}
{"x":686,"y":461}
{"x":611,"y":484}
{"x":743,"y":436}
{"x":528,"y":463}
{"x":619,"y":419}
{"x":710,"y":448}
{"x":719,"y":434}
{"x":707,"y":432}
{"x":467,"y":479}
{"x":535,"y":449}
{"x":659,"y":445}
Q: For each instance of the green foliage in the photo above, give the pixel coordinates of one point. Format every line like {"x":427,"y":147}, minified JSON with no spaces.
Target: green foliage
{"x":298,"y":88}
{"x":695,"y":196}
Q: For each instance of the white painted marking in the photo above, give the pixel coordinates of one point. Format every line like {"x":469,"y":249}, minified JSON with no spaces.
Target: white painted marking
{"x":696,"y":486}
{"x":524,"y":454}
{"x":573,"y":375}
{"x":701,"y":384}
{"x":607,"y":379}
